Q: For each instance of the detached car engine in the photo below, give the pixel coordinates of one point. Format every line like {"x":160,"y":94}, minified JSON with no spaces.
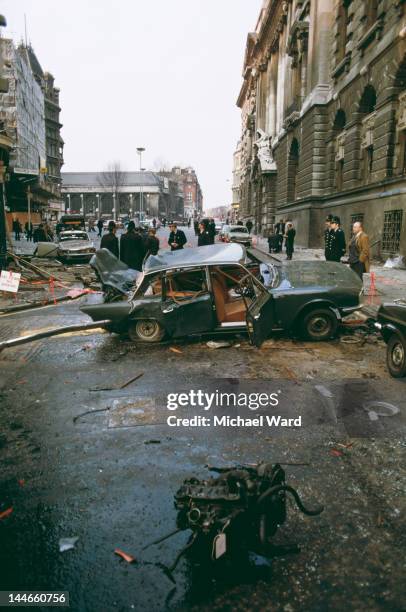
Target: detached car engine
{"x":236,"y":512}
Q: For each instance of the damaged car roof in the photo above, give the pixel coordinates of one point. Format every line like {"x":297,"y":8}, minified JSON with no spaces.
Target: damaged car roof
{"x":212,"y":254}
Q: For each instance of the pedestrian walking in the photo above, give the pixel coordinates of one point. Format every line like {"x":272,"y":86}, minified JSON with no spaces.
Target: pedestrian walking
{"x":132,"y":249}
{"x":274,"y":243}
{"x":359,"y":251}
{"x":154,"y":223}
{"x":204,"y":238}
{"x":280,"y":227}
{"x":177,"y":238}
{"x":164,"y":221}
{"x":327,"y":237}
{"x":100,"y":227}
{"x":110,"y":240}
{"x":196,"y":227}
{"x":289,"y":239}
{"x":16,"y":229}
{"x":189,"y":221}
{"x":249,"y":225}
{"x":337,"y":245}
{"x":28,"y":230}
{"x":48,"y":231}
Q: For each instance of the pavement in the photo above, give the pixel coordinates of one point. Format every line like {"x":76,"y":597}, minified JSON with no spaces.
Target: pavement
{"x":79,"y":463}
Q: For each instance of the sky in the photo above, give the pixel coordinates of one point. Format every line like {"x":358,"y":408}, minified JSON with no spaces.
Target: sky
{"x":159,"y":74}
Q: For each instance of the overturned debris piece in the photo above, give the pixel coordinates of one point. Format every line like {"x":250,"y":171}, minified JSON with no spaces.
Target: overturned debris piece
{"x":124,"y":555}
{"x":67,"y":543}
{"x":52,"y":332}
{"x":6,"y":513}
{"x":175,"y":350}
{"x":215,"y":344}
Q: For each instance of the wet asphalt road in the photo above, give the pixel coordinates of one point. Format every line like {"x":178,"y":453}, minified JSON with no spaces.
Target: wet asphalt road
{"x":97,"y":478}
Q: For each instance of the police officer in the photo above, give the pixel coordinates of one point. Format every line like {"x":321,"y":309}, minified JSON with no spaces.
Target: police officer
{"x":337,"y":240}
{"x":204,"y":235}
{"x":327,"y":237}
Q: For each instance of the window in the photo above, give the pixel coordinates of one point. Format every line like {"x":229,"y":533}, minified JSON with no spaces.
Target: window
{"x":339,"y":148}
{"x":339,"y":174}
{"x":293,"y":164}
{"x":367,"y":161}
{"x":185,"y":285}
{"x":189,"y":196}
{"x":392,"y":226}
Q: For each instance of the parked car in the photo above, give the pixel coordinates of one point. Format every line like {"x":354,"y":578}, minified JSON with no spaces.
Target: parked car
{"x":75,"y":246}
{"x":224,"y":288}
{"x":219,"y":225}
{"x":236,"y":233}
{"x":392,"y":325}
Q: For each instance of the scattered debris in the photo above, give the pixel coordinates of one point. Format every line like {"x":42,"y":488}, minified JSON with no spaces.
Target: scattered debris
{"x":52,"y":332}
{"x":118,"y":386}
{"x":152,"y":441}
{"x":124,"y":555}
{"x":336,"y":453}
{"x":67,"y":543}
{"x":175,"y":350}
{"x":214,"y":344}
{"x":77,"y":417}
{"x":6,"y":513}
{"x":398,"y":263}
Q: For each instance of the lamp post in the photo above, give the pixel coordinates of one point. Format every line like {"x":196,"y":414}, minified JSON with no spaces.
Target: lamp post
{"x":114,"y":206}
{"x":98,"y":203}
{"x":140,"y":151}
{"x":82,"y":209}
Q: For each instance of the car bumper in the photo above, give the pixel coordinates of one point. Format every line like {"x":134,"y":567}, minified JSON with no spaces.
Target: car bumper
{"x":74,"y":257}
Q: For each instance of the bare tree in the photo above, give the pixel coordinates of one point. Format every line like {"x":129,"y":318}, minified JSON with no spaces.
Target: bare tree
{"x":161,"y":165}
{"x":113,"y":179}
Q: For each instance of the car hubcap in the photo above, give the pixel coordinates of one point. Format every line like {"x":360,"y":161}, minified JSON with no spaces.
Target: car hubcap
{"x":147,"y":328}
{"x":398,"y":355}
{"x":319,"y":326}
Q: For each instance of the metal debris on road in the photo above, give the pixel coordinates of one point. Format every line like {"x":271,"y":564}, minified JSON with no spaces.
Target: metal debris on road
{"x":77,"y":417}
{"x":67,"y":543}
{"x":118,"y":386}
{"x":152,"y":441}
{"x":6,"y":513}
{"x":124,"y":555}
{"x":175,"y":350}
{"x":214,"y":344}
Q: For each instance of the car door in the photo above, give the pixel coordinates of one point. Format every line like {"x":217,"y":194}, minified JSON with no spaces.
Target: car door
{"x":260,"y":309}
{"x":187,"y":304}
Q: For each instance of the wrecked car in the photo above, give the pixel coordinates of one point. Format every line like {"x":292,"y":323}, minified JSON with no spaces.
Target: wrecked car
{"x":224,"y":288}
{"x":392,"y":325}
{"x":75,"y":246}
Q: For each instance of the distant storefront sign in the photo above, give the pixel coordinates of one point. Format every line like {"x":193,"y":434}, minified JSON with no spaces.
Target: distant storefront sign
{"x":25,"y":171}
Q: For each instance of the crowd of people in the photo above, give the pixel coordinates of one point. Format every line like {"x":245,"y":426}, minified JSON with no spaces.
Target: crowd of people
{"x":283,"y":231}
{"x":335,"y":245}
{"x":134,"y":244}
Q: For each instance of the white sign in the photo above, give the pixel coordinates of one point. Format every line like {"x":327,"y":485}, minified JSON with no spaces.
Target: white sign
{"x":9,"y":281}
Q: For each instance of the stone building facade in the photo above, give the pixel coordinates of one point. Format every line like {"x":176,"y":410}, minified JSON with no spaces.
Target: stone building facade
{"x":323,"y":106}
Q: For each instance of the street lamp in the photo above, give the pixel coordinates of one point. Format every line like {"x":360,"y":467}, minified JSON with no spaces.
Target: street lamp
{"x":98,"y":203}
{"x":140,"y":151}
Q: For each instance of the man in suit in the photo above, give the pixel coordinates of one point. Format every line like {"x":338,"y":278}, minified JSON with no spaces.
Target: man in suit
{"x":327,"y":236}
{"x":204,"y":235}
{"x":177,"y":238}
{"x":110,"y":240}
{"x":359,"y":253}
{"x":132,"y":249}
{"x":337,"y":241}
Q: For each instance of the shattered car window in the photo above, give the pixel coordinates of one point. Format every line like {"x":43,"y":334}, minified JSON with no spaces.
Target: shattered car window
{"x":185,"y":284}
{"x":150,"y":285}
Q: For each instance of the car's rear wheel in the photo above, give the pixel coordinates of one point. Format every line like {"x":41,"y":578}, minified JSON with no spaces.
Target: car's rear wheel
{"x":396,"y":356}
{"x":146,"y":330}
{"x":319,"y":324}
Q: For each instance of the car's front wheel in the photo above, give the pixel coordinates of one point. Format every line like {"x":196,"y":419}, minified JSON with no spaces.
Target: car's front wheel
{"x":146,"y":330}
{"x":396,"y":356}
{"x":319,"y":324}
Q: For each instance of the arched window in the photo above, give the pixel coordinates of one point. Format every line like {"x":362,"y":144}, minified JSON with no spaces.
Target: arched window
{"x":293,"y":165}
{"x":339,"y":144}
{"x":367,"y":107}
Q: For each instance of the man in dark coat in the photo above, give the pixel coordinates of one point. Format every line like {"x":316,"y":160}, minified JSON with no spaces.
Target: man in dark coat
{"x":327,"y":237}
{"x":280,"y":227}
{"x":196,"y":227}
{"x":100,"y":227}
{"x":110,"y":240}
{"x":249,"y":225}
{"x":211,"y":228}
{"x":177,"y":238}
{"x":152,"y":242}
{"x":204,"y":235}
{"x":337,"y":241}
{"x":132,"y":249}
{"x":28,"y":230}
{"x":289,"y":239}
{"x":39,"y":234}
{"x":16,"y":229}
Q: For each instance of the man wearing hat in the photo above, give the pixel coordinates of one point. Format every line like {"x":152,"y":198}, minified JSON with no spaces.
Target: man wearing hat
{"x":177,"y":238}
{"x":337,"y":240}
{"x":110,"y":240}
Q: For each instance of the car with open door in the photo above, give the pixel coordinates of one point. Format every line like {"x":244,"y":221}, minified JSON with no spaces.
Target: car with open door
{"x":226,"y":288}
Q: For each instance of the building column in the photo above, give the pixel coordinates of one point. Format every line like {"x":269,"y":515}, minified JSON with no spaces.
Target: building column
{"x":319,"y":53}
